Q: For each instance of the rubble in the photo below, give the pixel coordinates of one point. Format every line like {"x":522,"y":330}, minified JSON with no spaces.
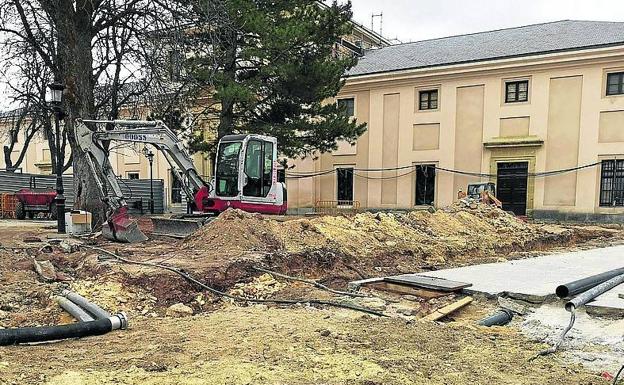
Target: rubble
{"x":259,"y":288}
{"x":45,"y":269}
{"x":179,"y":310}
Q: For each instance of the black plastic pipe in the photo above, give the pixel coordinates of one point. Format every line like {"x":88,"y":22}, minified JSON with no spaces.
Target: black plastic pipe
{"x":53,"y":333}
{"x":573,"y":288}
{"x":91,"y":308}
{"x":594,"y":292}
{"x":500,"y":318}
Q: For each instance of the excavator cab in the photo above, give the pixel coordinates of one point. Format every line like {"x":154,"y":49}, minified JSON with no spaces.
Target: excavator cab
{"x":246,"y":176}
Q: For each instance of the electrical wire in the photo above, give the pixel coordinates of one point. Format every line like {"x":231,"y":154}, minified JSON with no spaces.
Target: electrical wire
{"x":303,"y":175}
{"x":561,"y":338}
{"x":386,"y":177}
{"x":220,"y":293}
{"x":617,"y":376}
{"x":125,"y":184}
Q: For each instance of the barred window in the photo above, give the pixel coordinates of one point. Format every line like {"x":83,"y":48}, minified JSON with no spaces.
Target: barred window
{"x":612,"y":183}
{"x":517,"y":91}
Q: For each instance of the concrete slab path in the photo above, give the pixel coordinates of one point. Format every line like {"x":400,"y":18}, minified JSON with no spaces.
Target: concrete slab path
{"x":535,"y":279}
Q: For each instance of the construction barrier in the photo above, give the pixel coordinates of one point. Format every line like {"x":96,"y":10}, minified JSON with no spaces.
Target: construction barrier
{"x":336,"y":207}
{"x":7,"y":205}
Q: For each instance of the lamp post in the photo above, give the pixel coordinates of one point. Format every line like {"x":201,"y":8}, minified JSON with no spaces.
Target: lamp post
{"x":56,"y":100}
{"x":150,"y":158}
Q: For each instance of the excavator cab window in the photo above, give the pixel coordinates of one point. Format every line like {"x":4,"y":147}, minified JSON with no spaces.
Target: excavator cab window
{"x":258,"y":168}
{"x":227,"y":169}
{"x":267,"y":178}
{"x":253,"y":169}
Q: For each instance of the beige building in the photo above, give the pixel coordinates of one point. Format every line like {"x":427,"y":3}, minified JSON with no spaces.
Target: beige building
{"x":514,"y":106}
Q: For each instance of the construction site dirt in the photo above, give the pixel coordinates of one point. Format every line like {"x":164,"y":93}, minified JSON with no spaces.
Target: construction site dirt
{"x":180,"y":333}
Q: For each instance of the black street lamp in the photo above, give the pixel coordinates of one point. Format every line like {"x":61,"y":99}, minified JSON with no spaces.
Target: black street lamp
{"x":56,"y":100}
{"x":150,"y":158}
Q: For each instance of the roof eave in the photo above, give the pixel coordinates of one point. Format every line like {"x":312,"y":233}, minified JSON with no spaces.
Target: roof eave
{"x":493,"y":60}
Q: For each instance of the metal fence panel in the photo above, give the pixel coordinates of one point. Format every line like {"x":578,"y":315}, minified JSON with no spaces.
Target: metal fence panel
{"x":135,"y":191}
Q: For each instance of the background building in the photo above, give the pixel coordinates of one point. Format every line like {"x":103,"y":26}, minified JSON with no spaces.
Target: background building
{"x":506,"y":106}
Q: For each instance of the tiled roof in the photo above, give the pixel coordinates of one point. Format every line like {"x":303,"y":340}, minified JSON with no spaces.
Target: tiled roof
{"x":528,"y":40}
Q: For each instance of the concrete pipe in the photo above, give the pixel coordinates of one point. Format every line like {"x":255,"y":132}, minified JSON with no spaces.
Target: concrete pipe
{"x":76,"y":311}
{"x":91,"y":308}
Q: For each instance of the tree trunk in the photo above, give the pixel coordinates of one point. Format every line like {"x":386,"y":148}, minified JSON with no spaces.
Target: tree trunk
{"x":74,"y":27}
{"x":229,"y":47}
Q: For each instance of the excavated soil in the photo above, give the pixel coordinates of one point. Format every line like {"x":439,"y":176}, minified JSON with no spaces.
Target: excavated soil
{"x":256,"y":345}
{"x":229,"y":344}
{"x":332,"y":249}
{"x":387,"y":243}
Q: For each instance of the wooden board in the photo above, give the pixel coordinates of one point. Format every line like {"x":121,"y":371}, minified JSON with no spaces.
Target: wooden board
{"x":446,"y":310}
{"x":406,"y":290}
{"x":431,"y":283}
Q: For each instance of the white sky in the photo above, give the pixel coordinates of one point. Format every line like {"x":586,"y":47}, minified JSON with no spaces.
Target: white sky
{"x":411,"y":20}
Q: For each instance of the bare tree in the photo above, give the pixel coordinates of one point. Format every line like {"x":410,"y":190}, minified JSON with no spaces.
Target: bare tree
{"x":102,"y":50}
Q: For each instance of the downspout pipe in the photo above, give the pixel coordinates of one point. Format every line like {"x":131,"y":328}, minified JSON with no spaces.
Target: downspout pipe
{"x":54,"y":333}
{"x":76,"y":311}
{"x":575,"y":287}
{"x":594,"y":292}
{"x":93,"y":309}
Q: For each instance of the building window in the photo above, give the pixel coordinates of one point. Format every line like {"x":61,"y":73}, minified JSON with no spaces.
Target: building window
{"x":345,"y":185}
{"x":612,"y":183}
{"x":176,"y":189}
{"x":428,"y":100}
{"x":132,"y":175}
{"x":615,"y":83}
{"x":517,"y":91}
{"x":425,"y":184}
{"x":347,"y":105}
{"x":175,"y":65}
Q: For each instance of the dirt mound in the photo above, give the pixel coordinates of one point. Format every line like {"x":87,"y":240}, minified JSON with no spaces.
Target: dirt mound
{"x":453,"y":233}
{"x":234,"y":230}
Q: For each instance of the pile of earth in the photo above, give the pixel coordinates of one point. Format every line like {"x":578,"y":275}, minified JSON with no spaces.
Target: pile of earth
{"x":416,"y":239}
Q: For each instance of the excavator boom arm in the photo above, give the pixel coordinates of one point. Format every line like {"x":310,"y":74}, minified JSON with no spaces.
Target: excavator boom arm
{"x":155,"y":133}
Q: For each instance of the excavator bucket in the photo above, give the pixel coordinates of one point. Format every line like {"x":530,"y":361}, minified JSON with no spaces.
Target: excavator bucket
{"x":178,"y":227}
{"x":120,"y":228}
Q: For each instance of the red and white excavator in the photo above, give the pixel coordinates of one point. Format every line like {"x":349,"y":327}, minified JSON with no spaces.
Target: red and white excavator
{"x":245,"y":175}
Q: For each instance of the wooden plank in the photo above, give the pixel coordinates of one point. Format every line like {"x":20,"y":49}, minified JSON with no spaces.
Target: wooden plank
{"x":407,"y":290}
{"x":446,"y":310}
{"x":425,"y":282}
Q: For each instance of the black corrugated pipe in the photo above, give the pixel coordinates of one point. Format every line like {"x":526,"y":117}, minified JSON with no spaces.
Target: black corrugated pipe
{"x":573,"y":288}
{"x":90,"y":307}
{"x":53,"y":333}
{"x":500,"y":318}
